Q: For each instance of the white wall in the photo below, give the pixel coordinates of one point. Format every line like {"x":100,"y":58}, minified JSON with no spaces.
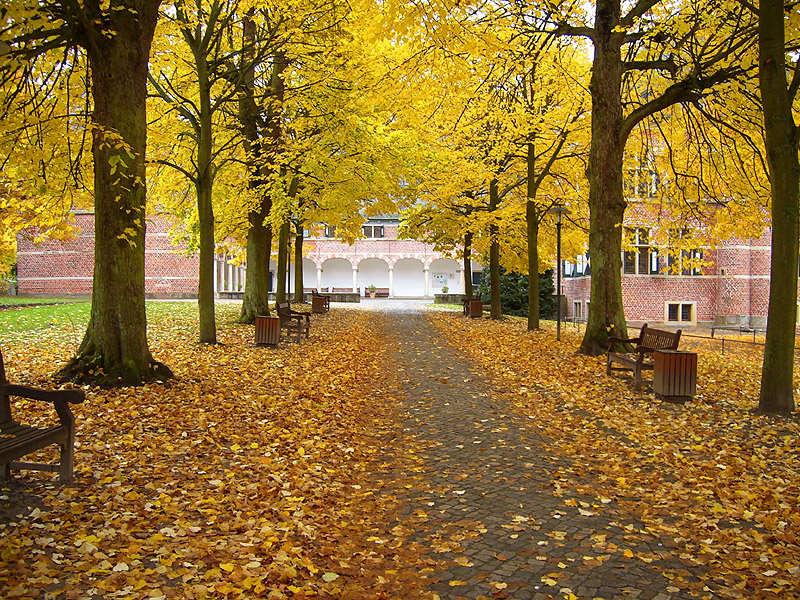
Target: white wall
{"x":409,"y":279}
{"x":337,"y":272}
{"x":444,"y":271}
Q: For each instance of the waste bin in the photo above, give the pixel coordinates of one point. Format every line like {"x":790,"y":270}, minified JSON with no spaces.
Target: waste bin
{"x":268,"y":331}
{"x":674,"y":375}
{"x":476,"y":309}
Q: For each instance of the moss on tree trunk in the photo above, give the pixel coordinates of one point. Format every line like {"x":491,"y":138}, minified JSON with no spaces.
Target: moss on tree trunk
{"x":114,"y":350}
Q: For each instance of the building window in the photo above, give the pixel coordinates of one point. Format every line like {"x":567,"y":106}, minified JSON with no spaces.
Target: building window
{"x":681,"y":261}
{"x":641,"y":182}
{"x":579,"y":310}
{"x":373,"y":231}
{"x":641,"y":259}
{"x":681,"y":312}
{"x":330,"y":231}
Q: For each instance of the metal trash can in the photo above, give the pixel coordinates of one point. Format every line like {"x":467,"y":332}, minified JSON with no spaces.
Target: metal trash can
{"x":268,"y":331}
{"x":674,"y":375}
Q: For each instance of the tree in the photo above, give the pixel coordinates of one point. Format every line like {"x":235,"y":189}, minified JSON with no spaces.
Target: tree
{"x":781,"y":138}
{"x":653,"y":57}
{"x":198,"y":94}
{"x":116,"y":37}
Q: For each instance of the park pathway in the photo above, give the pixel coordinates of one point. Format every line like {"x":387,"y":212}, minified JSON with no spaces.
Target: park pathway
{"x":482,"y":497}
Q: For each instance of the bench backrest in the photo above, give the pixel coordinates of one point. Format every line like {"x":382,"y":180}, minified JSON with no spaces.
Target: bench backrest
{"x":658,"y":338}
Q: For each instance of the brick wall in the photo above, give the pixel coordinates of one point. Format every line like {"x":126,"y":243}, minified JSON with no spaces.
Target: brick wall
{"x":733,"y":289}
{"x":55,"y":268}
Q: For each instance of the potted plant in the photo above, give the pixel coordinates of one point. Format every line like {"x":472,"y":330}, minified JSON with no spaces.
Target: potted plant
{"x":445,"y":289}
{"x":371,"y":289}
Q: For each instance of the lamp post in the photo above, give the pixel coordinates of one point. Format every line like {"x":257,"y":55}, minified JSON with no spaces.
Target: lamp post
{"x":558,"y":210}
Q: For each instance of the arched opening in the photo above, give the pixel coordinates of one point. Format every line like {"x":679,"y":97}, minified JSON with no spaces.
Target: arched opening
{"x":372,"y":271}
{"x":409,"y":278}
{"x":337,"y":273}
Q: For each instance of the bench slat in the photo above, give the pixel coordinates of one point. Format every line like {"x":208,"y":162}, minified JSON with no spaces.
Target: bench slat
{"x":641,"y":360}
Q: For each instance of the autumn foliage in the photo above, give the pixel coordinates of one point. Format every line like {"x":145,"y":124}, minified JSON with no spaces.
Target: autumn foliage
{"x":267,"y":473}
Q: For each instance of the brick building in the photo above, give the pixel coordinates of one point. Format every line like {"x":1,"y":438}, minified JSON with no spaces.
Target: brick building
{"x":55,"y":268}
{"x":724,"y":285}
{"x":407,"y":268}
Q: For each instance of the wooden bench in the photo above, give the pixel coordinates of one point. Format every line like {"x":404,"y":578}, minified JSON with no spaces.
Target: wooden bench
{"x":342,"y":290}
{"x":293,"y":321}
{"x":379,"y":292}
{"x":18,"y":440}
{"x":641,"y":359}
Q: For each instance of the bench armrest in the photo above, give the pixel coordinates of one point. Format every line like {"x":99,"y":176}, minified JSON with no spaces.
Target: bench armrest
{"x":613,"y":341}
{"x":24,"y":391}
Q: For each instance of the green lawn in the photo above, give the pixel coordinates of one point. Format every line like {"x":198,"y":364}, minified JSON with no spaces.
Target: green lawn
{"x":41,"y":322}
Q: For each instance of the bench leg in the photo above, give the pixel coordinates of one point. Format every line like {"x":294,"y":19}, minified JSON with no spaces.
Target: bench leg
{"x":608,"y":366}
{"x":637,"y":379}
{"x":5,"y":472}
{"x":65,"y":467}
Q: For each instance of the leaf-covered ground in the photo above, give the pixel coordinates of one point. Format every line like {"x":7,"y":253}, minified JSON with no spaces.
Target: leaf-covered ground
{"x":254,"y":473}
{"x":246,"y":477}
{"x":722,"y":482}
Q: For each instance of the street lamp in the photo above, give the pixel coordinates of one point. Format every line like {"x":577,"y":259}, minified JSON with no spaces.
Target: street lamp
{"x":558,"y":210}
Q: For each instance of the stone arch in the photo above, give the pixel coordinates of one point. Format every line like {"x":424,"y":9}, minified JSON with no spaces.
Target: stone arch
{"x":445,"y":272}
{"x":337,"y":272}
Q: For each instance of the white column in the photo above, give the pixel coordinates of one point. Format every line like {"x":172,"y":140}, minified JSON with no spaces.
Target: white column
{"x":355,"y":279}
{"x":236,"y":271}
{"x":243,"y":275}
{"x":319,"y":278}
{"x":228,"y":275}
{"x":462,"y":284}
{"x":391,"y":281}
{"x":427,"y":272}
{"x":216,"y":277}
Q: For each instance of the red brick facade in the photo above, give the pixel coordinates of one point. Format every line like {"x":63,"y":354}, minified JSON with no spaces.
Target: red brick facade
{"x":733,"y":289}
{"x":54,"y":268}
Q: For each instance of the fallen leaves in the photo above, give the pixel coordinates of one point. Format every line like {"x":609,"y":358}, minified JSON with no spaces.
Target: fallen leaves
{"x":720,"y":481}
{"x":249,"y":475}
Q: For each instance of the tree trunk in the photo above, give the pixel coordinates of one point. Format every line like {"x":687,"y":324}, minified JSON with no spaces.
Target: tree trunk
{"x":468,"y":265}
{"x":532,"y":226}
{"x":494,"y":254}
{"x":255,"y":300}
{"x":298,"y":263}
{"x":606,"y":201}
{"x":532,"y":222}
{"x":777,"y":389}
{"x":205,"y":208}
{"x":114,"y":350}
{"x":283,"y":258}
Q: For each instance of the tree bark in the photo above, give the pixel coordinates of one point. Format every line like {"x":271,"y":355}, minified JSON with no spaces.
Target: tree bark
{"x":468,"y":265}
{"x":205,"y":208}
{"x":777,"y":389}
{"x":298,"y":263}
{"x":114,"y":350}
{"x":532,"y":226}
{"x":606,"y":201}
{"x":283,"y":256}
{"x":255,"y":300}
{"x":494,"y":254}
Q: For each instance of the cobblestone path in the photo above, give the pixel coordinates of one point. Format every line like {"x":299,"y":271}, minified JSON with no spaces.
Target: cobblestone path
{"x":484,"y":496}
